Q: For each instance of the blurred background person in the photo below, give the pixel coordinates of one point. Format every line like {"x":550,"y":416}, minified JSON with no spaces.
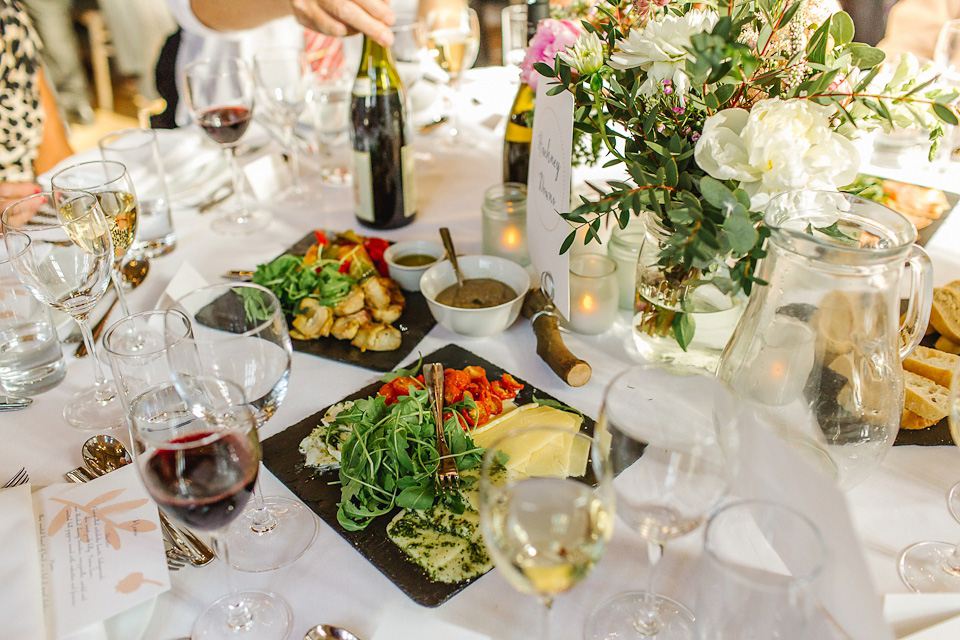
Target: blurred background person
{"x":913,"y":26}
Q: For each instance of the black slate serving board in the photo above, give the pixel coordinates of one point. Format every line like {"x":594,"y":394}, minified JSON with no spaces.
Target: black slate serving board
{"x":282,"y":457}
{"x":414,"y":324}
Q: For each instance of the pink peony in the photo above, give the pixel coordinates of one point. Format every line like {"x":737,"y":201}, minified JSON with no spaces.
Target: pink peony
{"x":552,"y":37}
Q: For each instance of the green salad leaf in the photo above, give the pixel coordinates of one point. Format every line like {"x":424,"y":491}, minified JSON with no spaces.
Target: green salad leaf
{"x":292,"y":282}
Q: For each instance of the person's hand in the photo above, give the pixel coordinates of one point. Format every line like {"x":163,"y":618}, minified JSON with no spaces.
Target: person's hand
{"x":345,"y":17}
{"x":10,"y":192}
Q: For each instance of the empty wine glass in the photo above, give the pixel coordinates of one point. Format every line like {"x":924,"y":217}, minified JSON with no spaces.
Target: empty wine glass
{"x":201,"y":469}
{"x":239,"y":334}
{"x":110,"y":181}
{"x":546,"y":523}
{"x":929,"y":566}
{"x":284,"y":79}
{"x":219,"y":94}
{"x":454,"y":40}
{"x":63,"y":253}
{"x":670,"y":431}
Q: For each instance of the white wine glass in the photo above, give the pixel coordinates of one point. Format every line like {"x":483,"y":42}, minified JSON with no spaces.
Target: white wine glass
{"x":546,"y":524}
{"x":239,"y":334}
{"x":64,"y":256}
{"x":931,"y":566}
{"x":201,"y":469}
{"x":219,"y":93}
{"x":110,"y":181}
{"x":284,"y":79}
{"x":671,"y":433}
{"x":453,"y":35}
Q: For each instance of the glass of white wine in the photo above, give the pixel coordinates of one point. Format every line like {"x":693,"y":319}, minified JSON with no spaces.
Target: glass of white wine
{"x":453,"y":37}
{"x":672,"y":434}
{"x":64,"y":255}
{"x":546,"y":520}
{"x":110,"y":182}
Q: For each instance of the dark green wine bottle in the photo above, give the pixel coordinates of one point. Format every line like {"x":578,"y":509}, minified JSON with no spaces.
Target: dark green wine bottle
{"x":383,"y":157}
{"x":519,"y":132}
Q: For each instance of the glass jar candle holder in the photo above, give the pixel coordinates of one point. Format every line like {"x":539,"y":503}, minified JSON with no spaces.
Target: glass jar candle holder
{"x":624,"y":249}
{"x":505,"y":222}
{"x":593,"y":293}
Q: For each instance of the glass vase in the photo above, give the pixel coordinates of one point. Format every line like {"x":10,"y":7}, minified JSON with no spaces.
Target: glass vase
{"x":662,"y":293}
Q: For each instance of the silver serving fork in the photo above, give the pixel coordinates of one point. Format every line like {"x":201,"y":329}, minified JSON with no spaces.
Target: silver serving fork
{"x":21,"y":477}
{"x":447,"y":474}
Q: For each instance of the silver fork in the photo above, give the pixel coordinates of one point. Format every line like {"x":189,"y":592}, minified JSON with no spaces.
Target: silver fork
{"x":447,"y":474}
{"x":21,"y":477}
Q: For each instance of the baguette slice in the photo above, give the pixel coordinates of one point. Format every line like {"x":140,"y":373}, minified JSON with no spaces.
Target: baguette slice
{"x":945,"y":314}
{"x":925,"y":397}
{"x":932,"y":364}
{"x":910,"y":420}
{"x":944,"y":343}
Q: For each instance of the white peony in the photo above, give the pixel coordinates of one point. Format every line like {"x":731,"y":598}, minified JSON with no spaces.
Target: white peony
{"x":586,"y":54}
{"x":778,"y":146}
{"x":660,"y":49}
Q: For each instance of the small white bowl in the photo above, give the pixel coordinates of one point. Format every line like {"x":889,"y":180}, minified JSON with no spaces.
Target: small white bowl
{"x":409,"y":277}
{"x":476,"y":323}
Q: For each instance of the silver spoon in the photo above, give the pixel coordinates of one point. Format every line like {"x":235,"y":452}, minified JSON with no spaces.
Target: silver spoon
{"x":322,"y":631}
{"x":451,"y":255}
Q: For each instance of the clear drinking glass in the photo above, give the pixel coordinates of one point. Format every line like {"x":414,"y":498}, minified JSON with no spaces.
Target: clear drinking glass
{"x":110,"y":181}
{"x":671,"y":435}
{"x":200,"y":469}
{"x":239,"y":334}
{"x":546,"y":525}
{"x":63,"y":252}
{"x":285,"y":82}
{"x":219,"y":93}
{"x":453,"y":36}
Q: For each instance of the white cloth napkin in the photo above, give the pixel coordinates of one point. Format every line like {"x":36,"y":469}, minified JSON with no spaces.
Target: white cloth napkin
{"x":912,"y":613}
{"x":402,"y":624}
{"x":21,"y":593}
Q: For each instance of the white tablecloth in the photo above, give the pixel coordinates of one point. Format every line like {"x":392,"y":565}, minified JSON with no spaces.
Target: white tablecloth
{"x":903,"y":502}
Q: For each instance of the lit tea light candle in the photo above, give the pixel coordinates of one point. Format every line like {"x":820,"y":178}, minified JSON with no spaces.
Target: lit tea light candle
{"x":780,"y":369}
{"x":505,"y":222}
{"x":593,"y":293}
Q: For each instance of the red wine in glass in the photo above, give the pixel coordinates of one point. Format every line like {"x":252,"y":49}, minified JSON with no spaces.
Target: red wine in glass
{"x":205,"y":486}
{"x":225,"y":125}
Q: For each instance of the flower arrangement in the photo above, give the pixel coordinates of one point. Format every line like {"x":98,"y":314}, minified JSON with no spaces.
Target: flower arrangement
{"x":713,"y":107}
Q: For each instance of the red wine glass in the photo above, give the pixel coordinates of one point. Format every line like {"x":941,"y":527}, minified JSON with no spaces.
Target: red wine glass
{"x":219,"y":93}
{"x":200,"y":468}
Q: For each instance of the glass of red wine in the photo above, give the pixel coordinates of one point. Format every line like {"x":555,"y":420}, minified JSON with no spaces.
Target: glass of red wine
{"x":219,"y":93}
{"x":200,"y":467}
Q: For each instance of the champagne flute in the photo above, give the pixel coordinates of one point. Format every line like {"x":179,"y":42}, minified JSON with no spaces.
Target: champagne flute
{"x":671,"y":431}
{"x":63,"y":253}
{"x":239,"y":334}
{"x":454,"y":39}
{"x":929,"y":566}
{"x":284,"y":79}
{"x":546,"y":525}
{"x":219,"y":94}
{"x":110,"y":181}
{"x":200,"y":469}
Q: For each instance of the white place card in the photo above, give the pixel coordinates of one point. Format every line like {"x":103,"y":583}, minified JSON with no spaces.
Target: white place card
{"x":185,"y":280}
{"x":401,"y":623}
{"x":548,"y":189}
{"x":101,"y":550}
{"x":266,"y":176}
{"x":21,"y":595}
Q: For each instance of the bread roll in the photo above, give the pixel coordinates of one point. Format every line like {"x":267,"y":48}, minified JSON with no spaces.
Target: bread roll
{"x":910,"y":420}
{"x":933,"y":364}
{"x":946,"y":344}
{"x":925,"y":398}
{"x":945,"y":314}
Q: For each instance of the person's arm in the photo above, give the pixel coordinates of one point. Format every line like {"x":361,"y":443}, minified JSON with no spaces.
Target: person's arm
{"x":54,"y":146}
{"x":332,"y":17}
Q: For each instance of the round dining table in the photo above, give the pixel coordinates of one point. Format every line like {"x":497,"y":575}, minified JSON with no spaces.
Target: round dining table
{"x":901,"y":502}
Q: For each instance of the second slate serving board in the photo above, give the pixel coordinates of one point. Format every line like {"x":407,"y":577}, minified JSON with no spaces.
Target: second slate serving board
{"x":281,"y":455}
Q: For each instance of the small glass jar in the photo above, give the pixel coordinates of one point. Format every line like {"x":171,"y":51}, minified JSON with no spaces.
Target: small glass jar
{"x":505,"y":222}
{"x":593,"y":293}
{"x":624,"y":248}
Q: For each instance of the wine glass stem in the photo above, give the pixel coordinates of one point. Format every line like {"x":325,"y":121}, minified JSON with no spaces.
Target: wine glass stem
{"x":117,"y":278}
{"x":238,"y":615}
{"x":291,"y":144}
{"x":241,"y":213}
{"x":546,"y":624}
{"x":453,"y":99}
{"x":263,"y":519}
{"x":647,"y":624}
{"x":100,"y":389}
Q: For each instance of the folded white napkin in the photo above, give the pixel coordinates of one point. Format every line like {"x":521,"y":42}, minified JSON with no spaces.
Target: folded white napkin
{"x":403,"y":623}
{"x":21,"y":594}
{"x":949,"y":630}
{"x":910,"y":613}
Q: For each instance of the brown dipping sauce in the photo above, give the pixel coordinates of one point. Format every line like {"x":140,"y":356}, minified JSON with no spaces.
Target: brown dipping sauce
{"x":415,"y":260}
{"x":477,"y":293}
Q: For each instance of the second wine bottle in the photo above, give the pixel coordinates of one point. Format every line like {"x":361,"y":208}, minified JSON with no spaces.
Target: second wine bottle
{"x":383,"y":179}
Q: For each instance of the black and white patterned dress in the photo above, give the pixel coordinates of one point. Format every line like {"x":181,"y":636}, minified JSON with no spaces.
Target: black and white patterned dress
{"x":21,"y":117}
